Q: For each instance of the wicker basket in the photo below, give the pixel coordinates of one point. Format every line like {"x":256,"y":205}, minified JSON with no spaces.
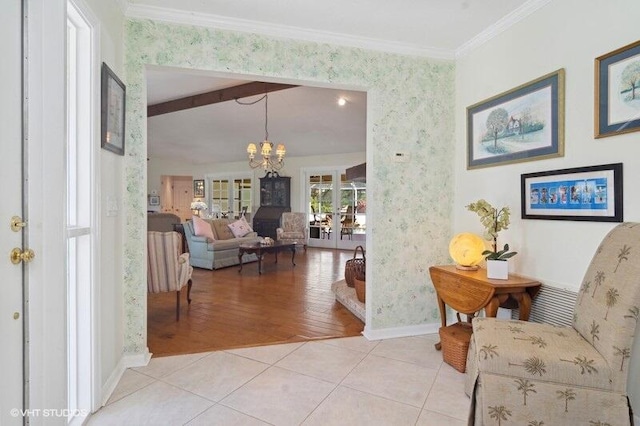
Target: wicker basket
{"x":360,"y":286}
{"x":355,"y":267}
{"x":455,"y":344}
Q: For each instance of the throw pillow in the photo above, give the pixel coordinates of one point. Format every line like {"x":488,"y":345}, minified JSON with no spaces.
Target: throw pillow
{"x":244,"y":219}
{"x":221,"y":229}
{"x":202,"y":228}
{"x":240,"y":228}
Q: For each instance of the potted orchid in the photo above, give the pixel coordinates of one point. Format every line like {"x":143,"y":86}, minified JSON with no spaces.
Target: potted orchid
{"x":494,"y":220}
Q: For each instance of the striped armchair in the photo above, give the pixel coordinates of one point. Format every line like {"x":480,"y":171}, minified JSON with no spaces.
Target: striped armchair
{"x":533,"y":374}
{"x":167,"y":268}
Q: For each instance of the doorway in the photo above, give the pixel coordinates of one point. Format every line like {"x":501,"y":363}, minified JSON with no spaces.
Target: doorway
{"x":336,"y":208}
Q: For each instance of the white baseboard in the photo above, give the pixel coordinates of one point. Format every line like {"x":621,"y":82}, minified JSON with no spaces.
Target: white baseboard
{"x":127,"y":361}
{"x":390,"y":333}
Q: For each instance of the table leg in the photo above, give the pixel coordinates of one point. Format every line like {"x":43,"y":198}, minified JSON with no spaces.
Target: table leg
{"x":240,"y":253}
{"x":260,"y":264}
{"x":443,"y":319}
{"x":492,"y":307}
{"x":276,"y":253}
{"x":293,"y":255}
{"x":524,"y":305}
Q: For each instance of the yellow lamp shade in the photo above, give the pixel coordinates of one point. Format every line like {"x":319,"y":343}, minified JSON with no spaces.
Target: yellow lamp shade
{"x":466,"y":249}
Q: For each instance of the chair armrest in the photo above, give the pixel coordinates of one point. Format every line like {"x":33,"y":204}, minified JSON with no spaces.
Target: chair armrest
{"x":279,"y":231}
{"x":197,"y":239}
{"x":183,"y":258}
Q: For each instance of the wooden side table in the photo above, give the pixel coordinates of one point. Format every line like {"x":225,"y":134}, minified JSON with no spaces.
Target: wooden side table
{"x":470,"y":291}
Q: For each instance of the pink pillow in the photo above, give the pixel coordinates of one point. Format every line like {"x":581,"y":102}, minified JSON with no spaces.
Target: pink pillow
{"x":240,"y":228}
{"x":244,"y":219}
{"x":201,"y":228}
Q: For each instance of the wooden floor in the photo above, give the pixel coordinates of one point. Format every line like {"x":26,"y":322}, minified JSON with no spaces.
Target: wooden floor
{"x":230,"y":310}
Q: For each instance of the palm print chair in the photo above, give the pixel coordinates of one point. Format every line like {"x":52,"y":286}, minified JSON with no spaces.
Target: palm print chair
{"x":538,"y":374}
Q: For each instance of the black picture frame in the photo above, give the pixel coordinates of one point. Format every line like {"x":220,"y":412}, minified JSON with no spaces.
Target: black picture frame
{"x":112,"y":111}
{"x":592,"y":193}
{"x":198,"y":188}
{"x":617,"y":94}
{"x":523,"y":124}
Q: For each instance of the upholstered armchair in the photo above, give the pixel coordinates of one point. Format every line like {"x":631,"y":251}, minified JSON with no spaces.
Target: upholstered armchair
{"x":167,"y":268}
{"x":532,"y":374}
{"x":293,"y":228}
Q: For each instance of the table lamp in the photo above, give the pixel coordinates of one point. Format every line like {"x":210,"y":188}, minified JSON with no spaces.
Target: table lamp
{"x":466,"y":250}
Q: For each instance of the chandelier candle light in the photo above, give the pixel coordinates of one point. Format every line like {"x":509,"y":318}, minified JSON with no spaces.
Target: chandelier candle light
{"x":198,"y":205}
{"x":268,"y":163}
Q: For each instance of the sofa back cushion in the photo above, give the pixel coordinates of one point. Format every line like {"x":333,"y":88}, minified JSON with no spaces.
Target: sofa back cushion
{"x":221,"y":229}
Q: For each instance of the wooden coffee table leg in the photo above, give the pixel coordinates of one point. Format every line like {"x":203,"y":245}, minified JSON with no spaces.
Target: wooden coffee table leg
{"x":240,"y":253}
{"x":293,"y":255}
{"x":260,"y":256}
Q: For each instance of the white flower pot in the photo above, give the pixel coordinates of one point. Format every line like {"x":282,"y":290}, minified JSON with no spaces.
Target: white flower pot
{"x":498,"y":269}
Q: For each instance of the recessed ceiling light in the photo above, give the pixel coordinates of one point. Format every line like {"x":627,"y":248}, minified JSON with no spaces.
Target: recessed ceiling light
{"x":342,"y":101}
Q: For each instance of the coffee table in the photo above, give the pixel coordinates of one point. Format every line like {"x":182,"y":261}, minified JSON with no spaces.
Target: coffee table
{"x":260,"y":250}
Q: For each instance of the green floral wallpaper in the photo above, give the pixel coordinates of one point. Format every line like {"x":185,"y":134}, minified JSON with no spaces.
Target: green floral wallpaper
{"x":410,"y":109}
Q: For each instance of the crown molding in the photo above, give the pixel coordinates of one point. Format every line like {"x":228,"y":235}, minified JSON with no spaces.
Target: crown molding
{"x":502,"y":25}
{"x":281,"y":31}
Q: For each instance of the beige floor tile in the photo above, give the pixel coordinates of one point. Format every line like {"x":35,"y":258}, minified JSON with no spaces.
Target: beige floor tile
{"x":429,"y":418}
{"x":268,"y":354}
{"x":325,"y":362}
{"x":216,"y":375}
{"x":417,"y":350}
{"x":130,"y":382}
{"x":219,"y":415}
{"x":359,"y":343}
{"x":351,"y":407}
{"x":156,"y":404}
{"x":447,"y":394}
{"x":397,"y":380}
{"x":279,"y":396}
{"x":163,"y":366}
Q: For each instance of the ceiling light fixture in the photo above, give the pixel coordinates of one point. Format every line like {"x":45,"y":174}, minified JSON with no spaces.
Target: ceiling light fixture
{"x":342,"y":101}
{"x":268,"y":163}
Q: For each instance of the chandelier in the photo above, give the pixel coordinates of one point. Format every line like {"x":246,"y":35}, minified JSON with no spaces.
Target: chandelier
{"x":268,"y":162}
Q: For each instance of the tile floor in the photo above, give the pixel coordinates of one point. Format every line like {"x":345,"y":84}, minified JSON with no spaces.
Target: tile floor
{"x":348,"y":381}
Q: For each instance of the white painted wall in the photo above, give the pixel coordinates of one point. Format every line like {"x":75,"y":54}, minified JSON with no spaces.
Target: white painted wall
{"x":111,"y":313}
{"x":567,"y":34}
{"x":156,"y":168}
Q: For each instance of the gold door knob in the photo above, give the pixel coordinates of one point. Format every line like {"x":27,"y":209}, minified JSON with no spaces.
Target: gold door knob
{"x":18,"y":256}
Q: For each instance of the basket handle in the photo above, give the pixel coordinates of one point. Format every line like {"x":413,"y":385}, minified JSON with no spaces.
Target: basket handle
{"x":355,"y":252}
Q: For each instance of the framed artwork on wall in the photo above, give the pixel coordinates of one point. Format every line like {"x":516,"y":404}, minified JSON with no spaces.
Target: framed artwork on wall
{"x":617,"y":91}
{"x":154,"y":200}
{"x":112,"y":109}
{"x":198,"y":188}
{"x":592,"y":193}
{"x":523,"y":124}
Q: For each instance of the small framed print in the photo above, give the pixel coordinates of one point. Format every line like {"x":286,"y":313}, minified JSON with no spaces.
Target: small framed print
{"x":591,"y":193}
{"x":112,"y":111}
{"x":198,"y":188}
{"x":523,"y":124}
{"x":154,"y":200}
{"x":617,"y":97}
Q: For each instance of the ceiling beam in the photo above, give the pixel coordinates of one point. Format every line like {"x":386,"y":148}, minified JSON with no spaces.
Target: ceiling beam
{"x":216,"y":96}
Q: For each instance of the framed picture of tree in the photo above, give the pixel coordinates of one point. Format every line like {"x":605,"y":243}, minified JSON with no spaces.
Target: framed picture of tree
{"x":523,"y":124}
{"x":617,"y":97}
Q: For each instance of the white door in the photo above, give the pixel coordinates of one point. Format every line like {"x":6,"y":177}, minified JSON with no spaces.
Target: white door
{"x":336,"y":209}
{"x":11,"y":312}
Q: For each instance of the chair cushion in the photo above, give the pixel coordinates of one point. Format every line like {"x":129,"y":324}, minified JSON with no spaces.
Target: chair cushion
{"x":240,"y":228}
{"x":539,"y":351}
{"x":201,"y":228}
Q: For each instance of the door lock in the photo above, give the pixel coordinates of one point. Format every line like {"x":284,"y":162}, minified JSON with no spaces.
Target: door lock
{"x":17,"y":224}
{"x":18,"y":256}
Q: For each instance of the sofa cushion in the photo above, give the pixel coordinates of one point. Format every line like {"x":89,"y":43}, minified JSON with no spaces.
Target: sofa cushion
{"x":201,"y":228}
{"x":221,"y":229}
{"x":240,"y":228}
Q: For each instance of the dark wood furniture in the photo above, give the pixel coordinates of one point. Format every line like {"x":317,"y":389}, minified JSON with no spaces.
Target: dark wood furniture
{"x":471,"y":291}
{"x":260,"y":250}
{"x":275,"y":199}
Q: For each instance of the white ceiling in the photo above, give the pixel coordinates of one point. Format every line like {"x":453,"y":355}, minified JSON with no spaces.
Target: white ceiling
{"x":308,"y":120}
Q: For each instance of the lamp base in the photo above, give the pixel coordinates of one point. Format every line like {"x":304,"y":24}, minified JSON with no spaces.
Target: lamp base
{"x":467,"y":268}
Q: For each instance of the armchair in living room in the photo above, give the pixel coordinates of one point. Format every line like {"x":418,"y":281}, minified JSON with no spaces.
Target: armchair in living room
{"x":293,"y":228}
{"x":531,"y":373}
{"x":167,"y":268}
